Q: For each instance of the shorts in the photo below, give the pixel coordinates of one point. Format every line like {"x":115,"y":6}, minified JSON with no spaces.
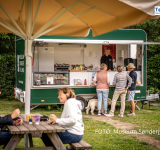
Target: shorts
{"x":131,"y":95}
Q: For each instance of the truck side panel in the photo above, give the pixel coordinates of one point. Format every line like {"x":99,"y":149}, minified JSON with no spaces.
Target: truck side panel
{"x":20,"y":65}
{"x":50,"y":96}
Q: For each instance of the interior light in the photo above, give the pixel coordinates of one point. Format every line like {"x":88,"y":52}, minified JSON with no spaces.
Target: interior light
{"x":106,"y":42}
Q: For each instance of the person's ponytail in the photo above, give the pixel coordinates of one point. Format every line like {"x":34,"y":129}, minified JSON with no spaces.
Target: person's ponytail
{"x":70,"y":92}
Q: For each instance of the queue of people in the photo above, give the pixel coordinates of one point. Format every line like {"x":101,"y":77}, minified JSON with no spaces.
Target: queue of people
{"x":124,"y":84}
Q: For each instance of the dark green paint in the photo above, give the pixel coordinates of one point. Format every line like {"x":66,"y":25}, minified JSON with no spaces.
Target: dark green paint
{"x":49,"y":95}
{"x":20,"y":76}
{"x":122,"y":34}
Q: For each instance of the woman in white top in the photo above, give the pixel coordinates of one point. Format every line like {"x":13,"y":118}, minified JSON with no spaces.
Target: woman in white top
{"x":71,"y":119}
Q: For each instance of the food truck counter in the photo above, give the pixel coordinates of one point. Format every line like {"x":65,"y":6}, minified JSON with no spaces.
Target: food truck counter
{"x":72,"y":79}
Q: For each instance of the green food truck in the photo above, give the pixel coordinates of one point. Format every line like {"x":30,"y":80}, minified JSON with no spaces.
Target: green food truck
{"x":60,"y":61}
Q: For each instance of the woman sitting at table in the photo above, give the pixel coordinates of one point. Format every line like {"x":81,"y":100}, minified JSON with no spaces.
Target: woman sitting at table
{"x":71,"y":119}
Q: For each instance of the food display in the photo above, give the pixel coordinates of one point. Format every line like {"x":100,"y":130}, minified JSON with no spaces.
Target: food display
{"x":51,"y":79}
{"x":77,"y":82}
{"x":93,"y":83}
{"x":37,"y":76}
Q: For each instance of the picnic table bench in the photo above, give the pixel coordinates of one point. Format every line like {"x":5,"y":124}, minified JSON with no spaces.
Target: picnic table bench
{"x":150,"y":103}
{"x":18,"y":133}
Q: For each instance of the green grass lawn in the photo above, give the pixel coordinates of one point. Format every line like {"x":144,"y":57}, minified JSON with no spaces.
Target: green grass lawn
{"x":97,"y":132}
{"x":147,"y":119}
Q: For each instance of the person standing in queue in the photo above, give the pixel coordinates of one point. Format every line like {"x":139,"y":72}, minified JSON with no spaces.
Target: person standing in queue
{"x":102,"y":88}
{"x":120,"y":81}
{"x":131,"y":90}
{"x":107,"y":59}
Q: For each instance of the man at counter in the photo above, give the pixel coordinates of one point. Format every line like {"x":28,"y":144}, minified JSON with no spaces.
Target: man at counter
{"x":107,"y":59}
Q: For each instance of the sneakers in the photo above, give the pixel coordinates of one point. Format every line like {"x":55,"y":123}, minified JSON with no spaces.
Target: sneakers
{"x":109,"y":115}
{"x":119,"y":115}
{"x":105,"y":114}
{"x":99,"y":114}
{"x":131,"y":114}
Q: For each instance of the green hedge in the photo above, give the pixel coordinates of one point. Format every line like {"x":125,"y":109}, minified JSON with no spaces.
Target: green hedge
{"x":7,"y":65}
{"x":7,"y":75}
{"x":153,"y":73}
{"x":152,"y":28}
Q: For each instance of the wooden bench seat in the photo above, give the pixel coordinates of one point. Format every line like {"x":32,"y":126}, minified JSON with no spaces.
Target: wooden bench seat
{"x":81,"y":145}
{"x":155,"y":105}
{"x":74,"y":146}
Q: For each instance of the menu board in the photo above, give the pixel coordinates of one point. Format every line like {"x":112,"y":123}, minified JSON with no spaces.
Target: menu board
{"x":112,"y":47}
{"x":20,"y":63}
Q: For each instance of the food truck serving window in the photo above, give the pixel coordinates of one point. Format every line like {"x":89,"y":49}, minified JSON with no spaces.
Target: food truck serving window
{"x":51,"y":57}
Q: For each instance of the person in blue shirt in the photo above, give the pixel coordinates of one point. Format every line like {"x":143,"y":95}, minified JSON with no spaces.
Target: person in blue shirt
{"x":131,"y":90}
{"x":12,"y":119}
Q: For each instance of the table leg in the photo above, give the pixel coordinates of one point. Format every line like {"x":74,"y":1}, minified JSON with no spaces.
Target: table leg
{"x":26,"y":141}
{"x":137,"y":106}
{"x":30,"y":140}
{"x":14,"y":142}
{"x":142,"y":104}
{"x":56,"y":141}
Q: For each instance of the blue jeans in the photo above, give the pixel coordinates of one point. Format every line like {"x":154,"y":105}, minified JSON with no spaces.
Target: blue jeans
{"x":103,"y":94}
{"x":66,"y":138}
{"x":5,"y":138}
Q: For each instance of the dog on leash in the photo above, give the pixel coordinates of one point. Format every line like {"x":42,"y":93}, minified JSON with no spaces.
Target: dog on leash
{"x":93,"y":103}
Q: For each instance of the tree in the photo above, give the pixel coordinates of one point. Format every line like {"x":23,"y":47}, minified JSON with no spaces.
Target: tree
{"x":7,"y":64}
{"x":152,"y":28}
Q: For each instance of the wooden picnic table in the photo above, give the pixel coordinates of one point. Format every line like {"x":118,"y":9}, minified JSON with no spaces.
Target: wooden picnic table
{"x":19,"y":131}
{"x":150,"y":103}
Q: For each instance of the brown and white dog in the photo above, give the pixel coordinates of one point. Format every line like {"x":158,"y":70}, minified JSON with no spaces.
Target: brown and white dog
{"x":93,"y":103}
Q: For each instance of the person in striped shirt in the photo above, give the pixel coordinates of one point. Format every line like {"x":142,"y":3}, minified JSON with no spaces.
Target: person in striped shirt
{"x":120,"y":81}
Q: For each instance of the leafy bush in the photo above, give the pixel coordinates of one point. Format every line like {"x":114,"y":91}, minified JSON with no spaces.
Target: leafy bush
{"x":153,"y":73}
{"x":54,"y":107}
{"x":153,"y":90}
{"x":7,"y":65}
{"x":7,"y":75}
{"x":152,"y":28}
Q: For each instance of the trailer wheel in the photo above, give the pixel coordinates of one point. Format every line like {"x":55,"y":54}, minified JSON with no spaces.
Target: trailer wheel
{"x":83,"y":102}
